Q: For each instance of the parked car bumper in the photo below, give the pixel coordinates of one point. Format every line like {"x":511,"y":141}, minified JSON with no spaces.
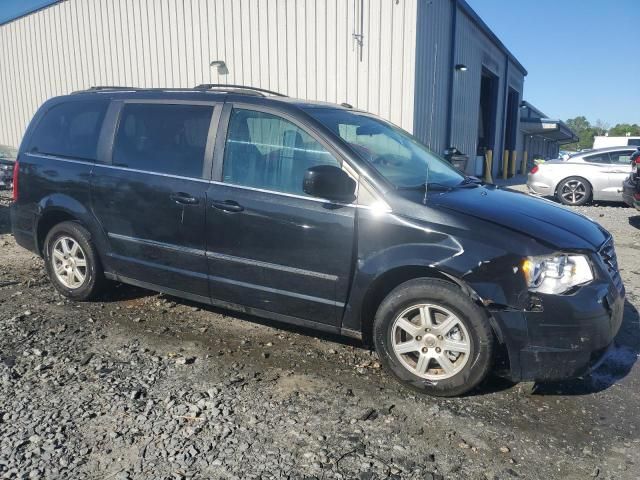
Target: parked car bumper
{"x":629,"y":189}
{"x":538,"y":186}
{"x":568,"y":337}
{"x":22,"y":228}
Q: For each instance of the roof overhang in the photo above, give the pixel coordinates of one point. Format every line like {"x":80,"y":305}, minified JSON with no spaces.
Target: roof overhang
{"x":551,"y":130}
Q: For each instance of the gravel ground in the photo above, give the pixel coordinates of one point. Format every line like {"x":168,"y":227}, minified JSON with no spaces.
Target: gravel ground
{"x":142,"y":385}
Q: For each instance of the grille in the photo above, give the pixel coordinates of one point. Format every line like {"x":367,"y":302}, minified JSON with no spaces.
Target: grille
{"x":608,"y":255}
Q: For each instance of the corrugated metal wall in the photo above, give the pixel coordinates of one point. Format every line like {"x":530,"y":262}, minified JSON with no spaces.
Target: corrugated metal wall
{"x":303,"y":48}
{"x":433,"y":53}
{"x":475,"y":50}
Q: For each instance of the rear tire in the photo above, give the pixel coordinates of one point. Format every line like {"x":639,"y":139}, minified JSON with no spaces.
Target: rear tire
{"x":574,"y":191}
{"x":72,"y":262}
{"x":450,"y":348}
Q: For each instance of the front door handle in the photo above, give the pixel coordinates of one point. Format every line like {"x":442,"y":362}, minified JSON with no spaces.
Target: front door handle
{"x":227,"y":205}
{"x":184,"y":198}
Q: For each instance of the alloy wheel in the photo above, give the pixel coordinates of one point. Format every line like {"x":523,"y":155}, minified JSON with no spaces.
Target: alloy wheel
{"x":69,"y":262}
{"x":573,"y":191}
{"x":431,"y":341}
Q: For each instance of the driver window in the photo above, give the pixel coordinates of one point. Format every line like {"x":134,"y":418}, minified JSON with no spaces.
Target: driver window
{"x":268,"y":152}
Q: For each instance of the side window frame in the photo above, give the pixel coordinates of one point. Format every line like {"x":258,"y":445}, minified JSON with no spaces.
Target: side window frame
{"x":586,"y":157}
{"x":221,"y":142}
{"x":114,"y":115}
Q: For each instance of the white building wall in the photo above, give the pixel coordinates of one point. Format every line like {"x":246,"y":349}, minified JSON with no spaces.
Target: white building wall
{"x":302,"y":48}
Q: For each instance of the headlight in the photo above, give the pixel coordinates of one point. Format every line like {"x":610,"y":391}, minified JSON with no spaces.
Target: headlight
{"x":556,"y":274}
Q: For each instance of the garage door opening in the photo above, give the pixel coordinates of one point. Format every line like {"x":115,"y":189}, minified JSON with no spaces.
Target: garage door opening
{"x":487,"y":117}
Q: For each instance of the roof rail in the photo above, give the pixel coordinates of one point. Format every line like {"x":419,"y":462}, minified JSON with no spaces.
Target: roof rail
{"x":98,"y":88}
{"x":237,"y":88}
{"x":223,"y":88}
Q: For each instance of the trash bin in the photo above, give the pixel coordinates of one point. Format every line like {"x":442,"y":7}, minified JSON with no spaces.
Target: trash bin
{"x":456,"y":158}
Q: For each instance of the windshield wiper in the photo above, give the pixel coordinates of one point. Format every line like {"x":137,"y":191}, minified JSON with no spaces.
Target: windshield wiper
{"x":470,"y":182}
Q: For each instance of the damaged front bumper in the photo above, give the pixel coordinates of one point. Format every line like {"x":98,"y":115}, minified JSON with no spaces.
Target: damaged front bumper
{"x":566,"y":337}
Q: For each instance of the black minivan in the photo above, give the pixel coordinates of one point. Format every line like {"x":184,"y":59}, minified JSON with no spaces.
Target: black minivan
{"x":317,"y":215}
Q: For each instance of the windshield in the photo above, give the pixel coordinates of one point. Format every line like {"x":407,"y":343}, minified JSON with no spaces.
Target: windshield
{"x":394,"y":153}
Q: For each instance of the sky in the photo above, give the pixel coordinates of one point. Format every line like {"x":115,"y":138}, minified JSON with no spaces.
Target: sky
{"x":12,"y":8}
{"x":583,"y":56}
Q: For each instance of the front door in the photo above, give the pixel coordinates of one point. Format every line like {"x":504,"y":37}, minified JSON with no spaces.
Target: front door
{"x":271,"y":246}
{"x":150,"y":195}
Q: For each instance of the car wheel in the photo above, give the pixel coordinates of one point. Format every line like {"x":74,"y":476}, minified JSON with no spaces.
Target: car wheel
{"x":433,"y":338}
{"x":574,"y":191}
{"x":72,"y":262}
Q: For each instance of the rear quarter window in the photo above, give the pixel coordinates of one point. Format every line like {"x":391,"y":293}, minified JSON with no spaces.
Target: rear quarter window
{"x":598,"y":158}
{"x":70,"y":130}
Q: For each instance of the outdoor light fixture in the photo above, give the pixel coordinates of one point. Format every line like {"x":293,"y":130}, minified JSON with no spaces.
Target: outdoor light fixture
{"x":222,"y":67}
{"x":461,"y":67}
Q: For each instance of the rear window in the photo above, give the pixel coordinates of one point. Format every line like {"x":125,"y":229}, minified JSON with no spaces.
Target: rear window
{"x":163,"y":138}
{"x":70,"y":129}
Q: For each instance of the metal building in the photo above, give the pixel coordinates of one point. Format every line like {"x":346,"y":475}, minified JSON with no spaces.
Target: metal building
{"x":541,"y":135}
{"x":432,"y":67}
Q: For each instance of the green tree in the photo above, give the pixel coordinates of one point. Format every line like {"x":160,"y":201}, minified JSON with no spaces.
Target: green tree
{"x":585,"y":132}
{"x":622,"y":129}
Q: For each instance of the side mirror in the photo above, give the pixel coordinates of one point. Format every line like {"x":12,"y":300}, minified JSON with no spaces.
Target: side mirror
{"x":329,"y":182}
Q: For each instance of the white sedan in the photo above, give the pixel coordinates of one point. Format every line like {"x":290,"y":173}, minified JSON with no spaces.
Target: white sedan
{"x":583,"y":177}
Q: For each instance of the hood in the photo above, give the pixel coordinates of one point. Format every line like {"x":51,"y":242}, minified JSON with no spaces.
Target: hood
{"x":541,"y":219}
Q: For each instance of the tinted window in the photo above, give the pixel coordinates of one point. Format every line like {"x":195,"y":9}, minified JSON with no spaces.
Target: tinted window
{"x":163,"y":138}
{"x":269,"y":152}
{"x":599,"y":158}
{"x":621,"y":157}
{"x":70,"y":129}
{"x":634,"y":141}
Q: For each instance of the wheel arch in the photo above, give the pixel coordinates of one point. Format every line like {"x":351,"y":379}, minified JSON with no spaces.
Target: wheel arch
{"x":555,"y":190}
{"x":49,"y":219}
{"x":383,"y":284}
{"x":58,"y":208}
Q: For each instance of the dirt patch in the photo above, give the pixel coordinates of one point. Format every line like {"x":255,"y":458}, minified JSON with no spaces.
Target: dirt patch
{"x":141,"y":385}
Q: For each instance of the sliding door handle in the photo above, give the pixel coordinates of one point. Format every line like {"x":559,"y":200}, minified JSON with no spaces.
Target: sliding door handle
{"x":184,"y":198}
{"x":227,"y":205}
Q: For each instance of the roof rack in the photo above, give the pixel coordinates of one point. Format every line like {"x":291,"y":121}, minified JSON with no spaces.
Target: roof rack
{"x":222,"y":88}
{"x":237,"y":89}
{"x":98,"y":88}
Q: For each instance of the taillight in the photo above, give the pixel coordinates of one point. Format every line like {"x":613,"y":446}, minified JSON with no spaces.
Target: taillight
{"x":15,"y":181}
{"x":638,"y":160}
{"x":535,"y":169}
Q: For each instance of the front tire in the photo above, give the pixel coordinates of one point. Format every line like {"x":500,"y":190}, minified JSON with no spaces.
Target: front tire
{"x":72,"y":262}
{"x":574,"y":191}
{"x":433,"y":338}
